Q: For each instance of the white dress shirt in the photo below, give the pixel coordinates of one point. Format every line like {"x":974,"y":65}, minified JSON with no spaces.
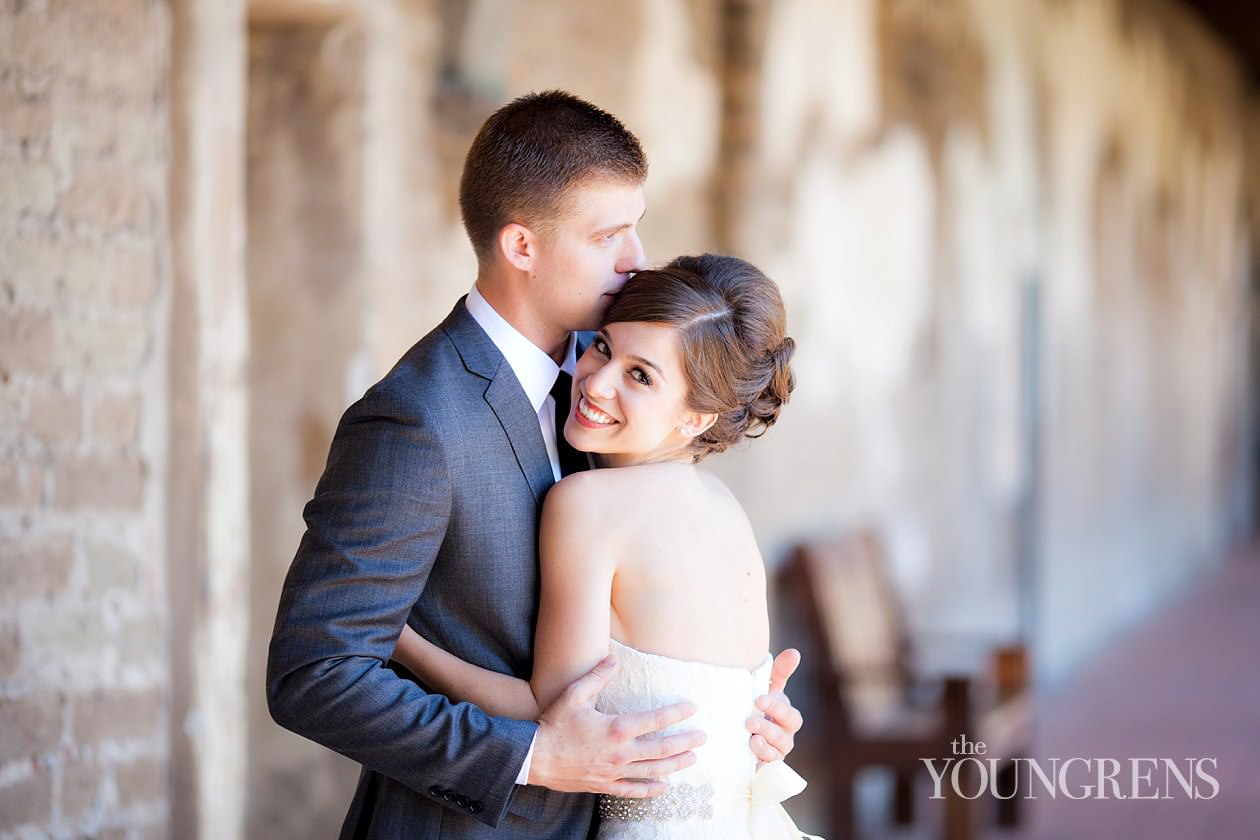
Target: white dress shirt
{"x":537,"y":372}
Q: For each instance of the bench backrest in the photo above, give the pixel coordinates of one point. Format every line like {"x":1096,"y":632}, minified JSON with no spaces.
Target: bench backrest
{"x":855,"y":616}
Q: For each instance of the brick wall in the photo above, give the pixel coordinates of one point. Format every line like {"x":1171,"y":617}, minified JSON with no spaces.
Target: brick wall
{"x":83,"y":271}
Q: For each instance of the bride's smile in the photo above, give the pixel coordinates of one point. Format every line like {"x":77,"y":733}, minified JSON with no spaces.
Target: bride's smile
{"x":589,"y":415}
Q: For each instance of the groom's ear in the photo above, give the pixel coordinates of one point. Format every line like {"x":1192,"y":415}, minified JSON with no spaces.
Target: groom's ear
{"x":695,"y":424}
{"x":519,"y":246}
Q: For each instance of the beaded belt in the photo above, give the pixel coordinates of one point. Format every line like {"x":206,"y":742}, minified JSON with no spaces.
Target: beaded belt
{"x":682,"y":802}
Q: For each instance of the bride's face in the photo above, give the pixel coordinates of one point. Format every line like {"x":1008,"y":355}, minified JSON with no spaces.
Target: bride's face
{"x":630,"y":397}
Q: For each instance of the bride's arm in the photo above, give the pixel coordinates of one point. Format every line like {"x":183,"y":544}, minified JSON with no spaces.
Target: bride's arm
{"x":577,"y":553}
{"x":499,"y":694}
{"x":573,"y":616}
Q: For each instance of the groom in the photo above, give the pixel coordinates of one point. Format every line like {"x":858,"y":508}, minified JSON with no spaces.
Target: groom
{"x":427,"y":513}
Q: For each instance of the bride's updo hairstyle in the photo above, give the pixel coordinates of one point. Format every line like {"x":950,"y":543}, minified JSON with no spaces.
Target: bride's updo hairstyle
{"x":730,"y":323}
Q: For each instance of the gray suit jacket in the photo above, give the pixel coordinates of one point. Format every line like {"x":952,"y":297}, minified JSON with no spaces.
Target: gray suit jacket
{"x":427,"y":513}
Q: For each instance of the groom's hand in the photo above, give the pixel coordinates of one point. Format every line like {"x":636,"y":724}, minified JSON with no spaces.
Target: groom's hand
{"x":580,"y":749}
{"x":774,"y":730}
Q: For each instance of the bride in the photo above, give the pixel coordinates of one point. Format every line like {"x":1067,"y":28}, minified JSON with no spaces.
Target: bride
{"x":655,"y":561}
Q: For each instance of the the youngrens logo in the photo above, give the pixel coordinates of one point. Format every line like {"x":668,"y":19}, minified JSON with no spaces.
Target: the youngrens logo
{"x":970,"y":775}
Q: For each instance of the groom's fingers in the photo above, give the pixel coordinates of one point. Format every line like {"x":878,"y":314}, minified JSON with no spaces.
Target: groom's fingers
{"x":644,"y":723}
{"x":764,"y":751}
{"x":780,"y":712}
{"x":652,"y":749}
{"x":578,"y":748}
{"x":785,"y":665}
{"x":587,"y":687}
{"x":772,"y":738}
{"x":658,"y":767}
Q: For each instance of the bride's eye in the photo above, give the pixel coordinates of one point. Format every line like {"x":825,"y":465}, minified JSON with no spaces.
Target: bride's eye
{"x":600,"y":346}
{"x":641,"y":376}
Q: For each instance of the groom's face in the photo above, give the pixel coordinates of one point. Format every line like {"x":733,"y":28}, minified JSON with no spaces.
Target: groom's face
{"x":587,"y":254}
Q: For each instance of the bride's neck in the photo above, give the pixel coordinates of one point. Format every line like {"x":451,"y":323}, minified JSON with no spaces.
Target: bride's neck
{"x":617,"y":459}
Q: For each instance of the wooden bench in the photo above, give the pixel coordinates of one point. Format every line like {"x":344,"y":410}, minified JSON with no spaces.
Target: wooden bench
{"x":877,"y":709}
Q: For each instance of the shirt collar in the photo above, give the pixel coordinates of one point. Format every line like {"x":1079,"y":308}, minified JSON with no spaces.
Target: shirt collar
{"x":533,"y":368}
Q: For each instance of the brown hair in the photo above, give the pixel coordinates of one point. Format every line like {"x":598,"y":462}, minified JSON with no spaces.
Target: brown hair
{"x":735,"y":355}
{"x":531,"y":154}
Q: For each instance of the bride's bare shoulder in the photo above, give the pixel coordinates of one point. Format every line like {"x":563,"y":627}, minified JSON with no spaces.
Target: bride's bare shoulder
{"x":589,"y":493}
{"x":582,"y":494}
{"x":577,"y":495}
{"x":576,"y":514}
{"x":644,"y":486}
{"x":603,"y":508}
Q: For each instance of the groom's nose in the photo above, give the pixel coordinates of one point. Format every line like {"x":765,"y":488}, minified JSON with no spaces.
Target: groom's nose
{"x":632,"y":256}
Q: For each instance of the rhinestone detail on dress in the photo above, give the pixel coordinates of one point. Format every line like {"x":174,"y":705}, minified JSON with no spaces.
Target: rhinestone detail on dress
{"x":682,"y":802}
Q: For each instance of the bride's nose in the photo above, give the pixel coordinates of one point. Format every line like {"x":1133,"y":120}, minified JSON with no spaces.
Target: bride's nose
{"x":600,"y":383}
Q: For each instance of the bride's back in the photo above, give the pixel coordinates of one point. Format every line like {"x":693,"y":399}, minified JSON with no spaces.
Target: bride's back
{"x":689,"y":582}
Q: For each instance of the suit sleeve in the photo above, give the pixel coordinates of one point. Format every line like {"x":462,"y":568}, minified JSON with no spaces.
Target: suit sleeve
{"x":373,"y":530}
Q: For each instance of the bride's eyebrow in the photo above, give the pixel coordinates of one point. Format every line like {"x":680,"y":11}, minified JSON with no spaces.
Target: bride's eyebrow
{"x":603,"y":336}
{"x":653,"y":365}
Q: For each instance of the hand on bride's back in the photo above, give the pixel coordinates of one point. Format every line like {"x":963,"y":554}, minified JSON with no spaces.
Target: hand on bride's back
{"x":581,"y":749}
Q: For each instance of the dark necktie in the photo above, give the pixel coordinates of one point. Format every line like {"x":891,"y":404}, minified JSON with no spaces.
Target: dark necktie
{"x":571,"y":460}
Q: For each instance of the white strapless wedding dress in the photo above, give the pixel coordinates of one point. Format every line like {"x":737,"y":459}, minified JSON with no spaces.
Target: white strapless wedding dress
{"x":723,"y":796}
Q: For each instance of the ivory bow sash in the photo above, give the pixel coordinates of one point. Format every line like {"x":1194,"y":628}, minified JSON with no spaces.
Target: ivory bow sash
{"x":767,"y":820}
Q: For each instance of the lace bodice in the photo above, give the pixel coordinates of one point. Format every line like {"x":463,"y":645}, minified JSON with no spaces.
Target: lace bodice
{"x":714,"y":797}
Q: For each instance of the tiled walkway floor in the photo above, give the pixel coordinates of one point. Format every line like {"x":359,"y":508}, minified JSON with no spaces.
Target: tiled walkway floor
{"x":1184,"y":683}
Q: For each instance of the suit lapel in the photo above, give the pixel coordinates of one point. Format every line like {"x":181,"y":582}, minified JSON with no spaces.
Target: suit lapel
{"x":504,"y":396}
{"x":520,"y":423}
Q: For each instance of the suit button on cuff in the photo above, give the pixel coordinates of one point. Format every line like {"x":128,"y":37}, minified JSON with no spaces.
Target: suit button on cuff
{"x":462,"y":801}
{"x":448,"y":795}
{"x":474,"y":807}
{"x":435,"y":790}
